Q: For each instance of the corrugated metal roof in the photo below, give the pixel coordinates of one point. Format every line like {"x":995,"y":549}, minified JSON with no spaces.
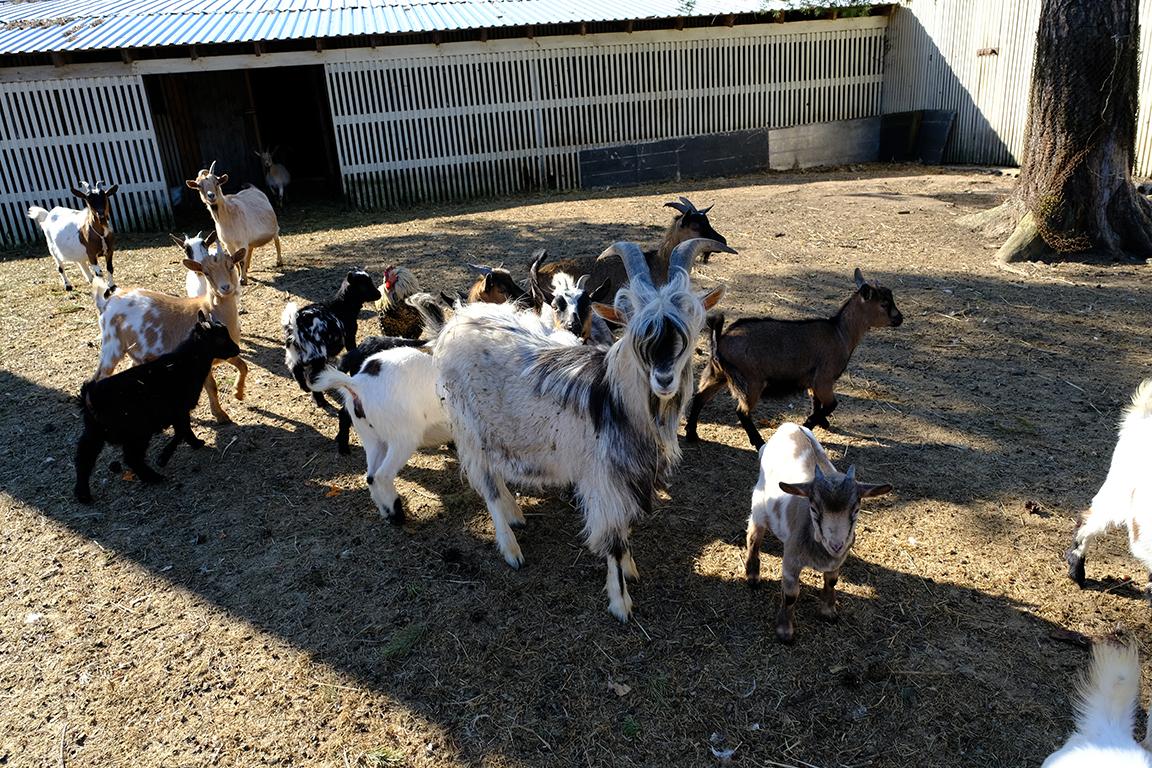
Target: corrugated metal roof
{"x":37,"y":26}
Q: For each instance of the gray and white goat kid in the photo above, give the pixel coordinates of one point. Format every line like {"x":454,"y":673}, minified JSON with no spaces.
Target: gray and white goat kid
{"x":811,"y":507}
{"x":571,"y":301}
{"x":1125,"y":498}
{"x":276,"y":176}
{"x":530,"y":408}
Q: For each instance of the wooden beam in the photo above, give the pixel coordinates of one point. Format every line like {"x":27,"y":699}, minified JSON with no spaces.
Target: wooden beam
{"x":319,"y":44}
{"x":258,"y":48}
{"x":680,"y":23}
{"x":628,"y":26}
{"x":59,"y":59}
{"x":374,"y":42}
{"x":484,"y":35}
{"x":437,"y":37}
{"x":730,"y":21}
{"x":192,"y":53}
{"x":583,"y":29}
{"x":530,"y":32}
{"x":126,"y":55}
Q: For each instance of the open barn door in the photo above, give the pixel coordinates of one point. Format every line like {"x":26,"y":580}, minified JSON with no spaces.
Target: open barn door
{"x":55,"y":132}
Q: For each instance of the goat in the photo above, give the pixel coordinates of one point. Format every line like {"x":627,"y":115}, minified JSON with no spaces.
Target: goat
{"x":128,"y":408}
{"x":80,"y":236}
{"x":276,"y":176}
{"x":145,"y":324}
{"x":527,"y":406}
{"x":494,"y":286}
{"x":396,"y":316}
{"x":687,"y":224}
{"x":351,"y":362}
{"x":244,"y":221}
{"x":1125,"y":498}
{"x":1106,"y":701}
{"x":571,"y":302}
{"x":764,"y":357}
{"x":811,"y":507}
{"x":196,"y":249}
{"x":396,"y":410}
{"x":314,"y":335}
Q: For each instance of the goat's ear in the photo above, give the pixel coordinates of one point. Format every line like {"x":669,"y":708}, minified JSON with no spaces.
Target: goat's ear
{"x":488,"y":282}
{"x":111,"y":190}
{"x":222,"y":179}
{"x":602,"y":292}
{"x":191,"y":184}
{"x":79,"y":194}
{"x":712,"y":298}
{"x":195,"y":266}
{"x":239,"y":256}
{"x":609,"y":313}
{"x":210,"y":239}
{"x":201,"y":316}
{"x":797,"y":489}
{"x":867,"y":490}
{"x":177,"y":239}
{"x":859,"y":277}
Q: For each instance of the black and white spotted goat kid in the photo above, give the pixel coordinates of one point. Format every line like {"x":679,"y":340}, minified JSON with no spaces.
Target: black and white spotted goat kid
{"x":316,"y":334}
{"x":529,"y":406}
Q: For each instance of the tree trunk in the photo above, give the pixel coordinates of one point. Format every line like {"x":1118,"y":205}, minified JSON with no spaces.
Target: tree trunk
{"x":1075,"y":192}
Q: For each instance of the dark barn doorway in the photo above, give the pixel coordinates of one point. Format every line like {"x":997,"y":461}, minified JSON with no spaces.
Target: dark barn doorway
{"x":228,"y":115}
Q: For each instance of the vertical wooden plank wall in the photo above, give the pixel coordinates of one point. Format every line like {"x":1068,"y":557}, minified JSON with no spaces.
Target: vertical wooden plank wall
{"x":940,"y":57}
{"x":433,"y":123}
{"x":53,"y":133}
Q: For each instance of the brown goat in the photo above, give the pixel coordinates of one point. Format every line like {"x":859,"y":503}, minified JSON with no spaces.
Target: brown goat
{"x":494,"y":286}
{"x":688,"y":223}
{"x":764,"y":357}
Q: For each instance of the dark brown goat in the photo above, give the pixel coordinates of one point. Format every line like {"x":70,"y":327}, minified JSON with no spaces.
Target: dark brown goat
{"x":494,"y":286}
{"x":764,"y":357}
{"x":688,"y":223}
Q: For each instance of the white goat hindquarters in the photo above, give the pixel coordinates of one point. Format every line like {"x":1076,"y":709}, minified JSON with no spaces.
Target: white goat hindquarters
{"x":401,"y":414}
{"x":789,"y":456}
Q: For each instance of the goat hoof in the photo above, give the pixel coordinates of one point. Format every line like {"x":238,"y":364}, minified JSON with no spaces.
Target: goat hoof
{"x":195,"y":444}
{"x":223,"y":419}
{"x":343,"y":449}
{"x":1075,"y":567}
{"x":785,"y":635}
{"x":397,"y":516}
{"x":753,"y":581}
{"x":830,"y":615}
{"x":83,"y":495}
{"x":67,"y":287}
{"x":691,"y":437}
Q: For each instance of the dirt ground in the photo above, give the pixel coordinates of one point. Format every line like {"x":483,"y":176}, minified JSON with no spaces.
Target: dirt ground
{"x":255,"y":611}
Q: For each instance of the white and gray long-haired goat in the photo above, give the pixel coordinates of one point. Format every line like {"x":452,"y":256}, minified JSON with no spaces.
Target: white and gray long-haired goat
{"x":1106,"y":702}
{"x":529,"y":408}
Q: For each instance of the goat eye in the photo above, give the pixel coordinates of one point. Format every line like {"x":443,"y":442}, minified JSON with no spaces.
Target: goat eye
{"x":560,"y":304}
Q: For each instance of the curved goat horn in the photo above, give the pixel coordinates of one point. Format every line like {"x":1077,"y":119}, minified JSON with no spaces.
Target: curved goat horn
{"x":704,"y":211}
{"x":678,"y":206}
{"x":634,"y":262}
{"x":483,"y":269}
{"x":534,"y":277}
{"x":99,"y":185}
{"x":684,"y":254}
{"x":84,"y":187}
{"x":212,"y":169}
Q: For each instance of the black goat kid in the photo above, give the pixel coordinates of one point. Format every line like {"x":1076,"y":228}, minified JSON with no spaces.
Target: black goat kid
{"x":315,"y":335}
{"x":126,"y":409}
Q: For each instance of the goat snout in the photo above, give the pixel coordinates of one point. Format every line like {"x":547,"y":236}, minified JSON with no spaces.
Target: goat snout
{"x":897,"y":320}
{"x":662,"y":383}
{"x":225,"y":289}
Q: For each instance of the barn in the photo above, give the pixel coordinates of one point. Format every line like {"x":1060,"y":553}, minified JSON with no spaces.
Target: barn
{"x":390,"y":103}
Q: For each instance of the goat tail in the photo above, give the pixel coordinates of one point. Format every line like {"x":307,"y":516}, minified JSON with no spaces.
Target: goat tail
{"x":1108,"y":694}
{"x":334,"y":378}
{"x":37,"y":213}
{"x":715,"y":330}
{"x":1141,"y":407}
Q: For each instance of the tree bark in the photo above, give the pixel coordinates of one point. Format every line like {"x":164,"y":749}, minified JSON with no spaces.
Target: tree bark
{"x":1075,"y":192}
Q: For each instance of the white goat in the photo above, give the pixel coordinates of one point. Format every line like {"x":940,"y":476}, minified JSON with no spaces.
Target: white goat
{"x":80,"y":236}
{"x":395,"y":410}
{"x":528,"y":408}
{"x":1125,"y":499}
{"x":1106,"y":701}
{"x":276,"y":176}
{"x":145,"y":324}
{"x":196,"y":249}
{"x":244,"y":221}
{"x":812,"y":508}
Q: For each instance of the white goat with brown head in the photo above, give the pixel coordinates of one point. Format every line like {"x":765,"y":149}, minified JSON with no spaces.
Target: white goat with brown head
{"x":145,"y":324}
{"x":244,"y":221}
{"x":80,"y":236}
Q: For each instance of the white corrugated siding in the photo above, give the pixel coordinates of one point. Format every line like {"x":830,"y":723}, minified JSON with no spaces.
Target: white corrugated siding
{"x":465,"y":120}
{"x":933,"y":63}
{"x":54,"y":133}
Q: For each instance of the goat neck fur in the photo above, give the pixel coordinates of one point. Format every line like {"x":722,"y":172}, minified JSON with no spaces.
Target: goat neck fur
{"x":245,"y":220}
{"x":1106,"y":701}
{"x":811,"y":507}
{"x":143,"y":324}
{"x":395,"y":315}
{"x":128,"y":408}
{"x":1125,"y":498}
{"x":529,"y":405}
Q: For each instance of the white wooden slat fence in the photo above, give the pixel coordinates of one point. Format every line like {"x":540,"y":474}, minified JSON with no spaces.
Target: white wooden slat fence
{"x":56,"y":132}
{"x":432,"y":123}
{"x":940,"y":56}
